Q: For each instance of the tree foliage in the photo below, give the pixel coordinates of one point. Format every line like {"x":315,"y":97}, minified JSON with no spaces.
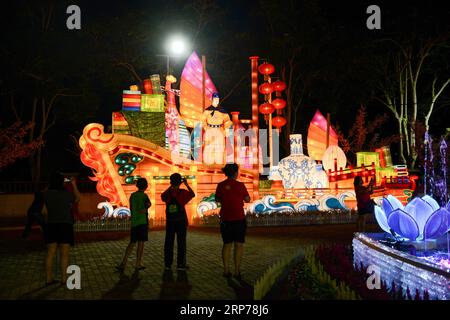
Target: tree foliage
{"x":13,"y":145}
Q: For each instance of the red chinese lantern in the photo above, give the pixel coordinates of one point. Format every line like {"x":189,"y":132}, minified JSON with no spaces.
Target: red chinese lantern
{"x":148,"y":86}
{"x":266,"y":109}
{"x":266,"y":68}
{"x":278,"y":122}
{"x":279,"y":104}
{"x":278,"y":87}
{"x":266,"y":88}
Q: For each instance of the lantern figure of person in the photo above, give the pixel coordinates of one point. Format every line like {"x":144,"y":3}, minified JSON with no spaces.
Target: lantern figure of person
{"x":216,"y":124}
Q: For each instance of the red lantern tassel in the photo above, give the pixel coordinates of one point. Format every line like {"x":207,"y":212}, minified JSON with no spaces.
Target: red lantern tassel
{"x":278,"y":94}
{"x":279,"y":111}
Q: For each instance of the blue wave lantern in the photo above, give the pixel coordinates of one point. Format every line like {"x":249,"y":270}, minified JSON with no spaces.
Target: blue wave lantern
{"x":421,"y":219}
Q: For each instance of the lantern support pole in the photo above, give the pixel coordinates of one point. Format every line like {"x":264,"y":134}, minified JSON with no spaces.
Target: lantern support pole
{"x":270,"y":132}
{"x":328,"y":129}
{"x":203,"y":82}
{"x":255,"y":125}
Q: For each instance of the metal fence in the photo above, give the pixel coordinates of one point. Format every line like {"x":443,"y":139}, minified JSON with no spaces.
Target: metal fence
{"x":288,"y":220}
{"x":213,"y":221}
{"x":111,"y":225}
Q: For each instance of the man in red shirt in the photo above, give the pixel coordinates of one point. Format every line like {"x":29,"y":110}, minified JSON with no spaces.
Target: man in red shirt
{"x":176,"y":220}
{"x":232,"y":194}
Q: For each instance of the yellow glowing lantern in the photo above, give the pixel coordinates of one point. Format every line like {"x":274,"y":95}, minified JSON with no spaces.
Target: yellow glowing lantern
{"x":367,"y":158}
{"x":334,"y":152}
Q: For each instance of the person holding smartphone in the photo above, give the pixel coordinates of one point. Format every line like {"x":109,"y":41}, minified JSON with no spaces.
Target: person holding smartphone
{"x":365,"y":204}
{"x":176,"y":220}
{"x":58,"y":204}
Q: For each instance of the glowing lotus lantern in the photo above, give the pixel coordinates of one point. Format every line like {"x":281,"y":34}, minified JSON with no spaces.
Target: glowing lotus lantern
{"x":421,"y":219}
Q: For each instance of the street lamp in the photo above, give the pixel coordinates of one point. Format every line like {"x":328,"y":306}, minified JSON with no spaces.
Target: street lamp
{"x":176,"y":45}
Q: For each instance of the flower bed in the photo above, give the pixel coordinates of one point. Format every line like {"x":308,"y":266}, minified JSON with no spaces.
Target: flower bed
{"x":327,"y":273}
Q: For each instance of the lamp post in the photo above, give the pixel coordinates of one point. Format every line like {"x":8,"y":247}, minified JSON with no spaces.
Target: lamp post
{"x":176,"y":45}
{"x":168,"y":59}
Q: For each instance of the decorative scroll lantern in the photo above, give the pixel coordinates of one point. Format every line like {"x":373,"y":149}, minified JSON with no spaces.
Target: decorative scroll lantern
{"x":279,"y":105}
{"x":266,"y":109}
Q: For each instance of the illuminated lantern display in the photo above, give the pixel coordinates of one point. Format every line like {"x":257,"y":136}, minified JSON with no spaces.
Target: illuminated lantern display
{"x":191,"y":97}
{"x":367,"y":158}
{"x":385,"y":156}
{"x":266,"y":88}
{"x":278,"y":87}
{"x":120,"y":124}
{"x":266,"y":109}
{"x":279,"y":104}
{"x":156,"y":83}
{"x":266,"y":69}
{"x":332,"y":153}
{"x":148,"y":86}
{"x":152,"y":103}
{"x":278,"y":122}
{"x":131,"y":100}
{"x":317,"y":136}
{"x":300,"y":171}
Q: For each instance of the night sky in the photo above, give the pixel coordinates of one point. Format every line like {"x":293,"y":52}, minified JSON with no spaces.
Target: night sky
{"x":235,"y":30}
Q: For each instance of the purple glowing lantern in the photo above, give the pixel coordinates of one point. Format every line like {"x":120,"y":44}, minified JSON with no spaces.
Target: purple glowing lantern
{"x":422,"y":218}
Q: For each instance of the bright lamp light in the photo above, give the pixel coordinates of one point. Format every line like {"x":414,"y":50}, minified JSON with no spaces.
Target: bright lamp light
{"x":176,"y":45}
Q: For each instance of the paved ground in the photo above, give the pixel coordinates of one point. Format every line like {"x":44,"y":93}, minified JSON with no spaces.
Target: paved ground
{"x":22,"y":265}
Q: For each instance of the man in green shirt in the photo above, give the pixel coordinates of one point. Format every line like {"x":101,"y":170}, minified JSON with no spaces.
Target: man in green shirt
{"x":139,"y":204}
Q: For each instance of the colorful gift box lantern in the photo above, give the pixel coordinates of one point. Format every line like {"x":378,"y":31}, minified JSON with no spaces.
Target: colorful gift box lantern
{"x":131,"y":100}
{"x":367,"y":158}
{"x":152,"y":103}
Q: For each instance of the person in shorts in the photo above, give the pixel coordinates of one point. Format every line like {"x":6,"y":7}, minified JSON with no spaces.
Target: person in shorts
{"x":58,"y":204}
{"x":365,"y":204}
{"x":232,"y":194}
{"x":176,"y":220}
{"x":139,"y":204}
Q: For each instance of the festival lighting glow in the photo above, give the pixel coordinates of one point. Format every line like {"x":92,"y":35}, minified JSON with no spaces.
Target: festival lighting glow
{"x":317,"y":136}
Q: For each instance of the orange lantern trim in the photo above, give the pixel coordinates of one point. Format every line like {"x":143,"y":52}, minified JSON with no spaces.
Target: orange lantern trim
{"x":266,"y":109}
{"x":279,"y":104}
{"x":278,"y":122}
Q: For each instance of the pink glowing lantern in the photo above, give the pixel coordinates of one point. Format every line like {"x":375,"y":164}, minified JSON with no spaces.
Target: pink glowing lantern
{"x":191,"y":97}
{"x":317,"y":136}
